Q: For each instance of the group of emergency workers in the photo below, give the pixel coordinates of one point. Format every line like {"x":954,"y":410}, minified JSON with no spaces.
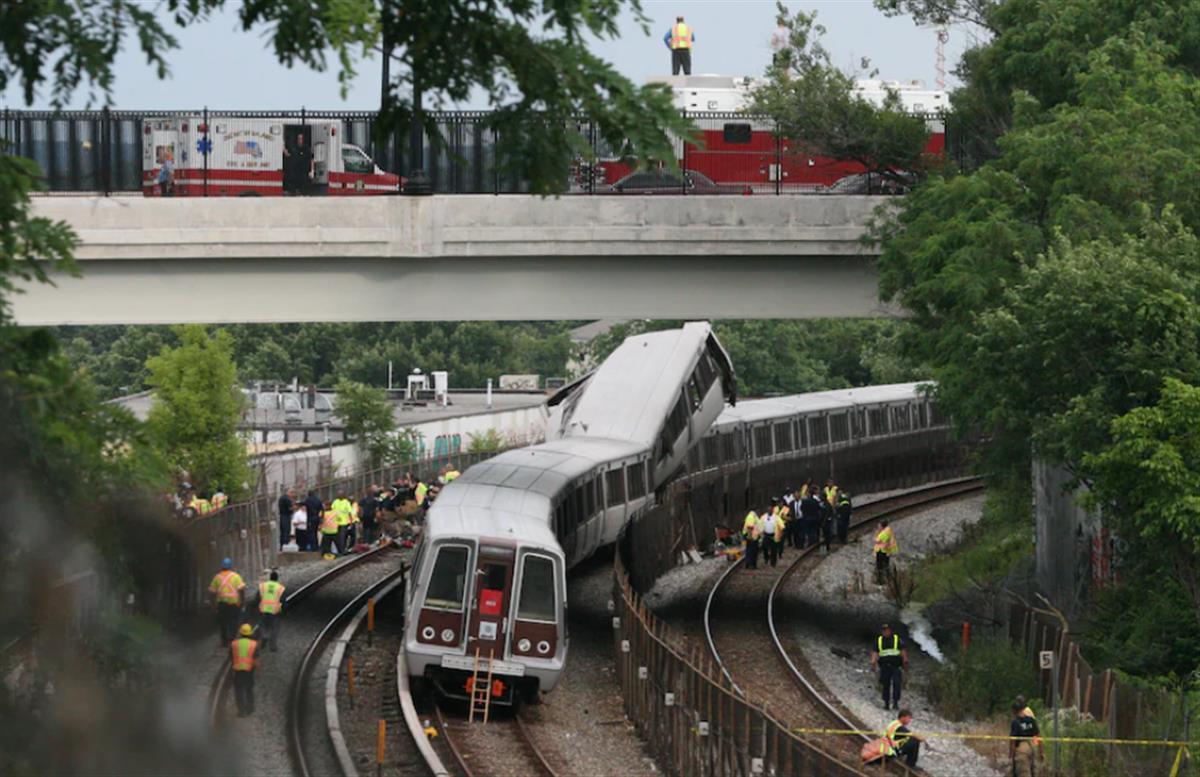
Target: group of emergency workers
{"x":229,"y":591}
{"x":809,"y":515}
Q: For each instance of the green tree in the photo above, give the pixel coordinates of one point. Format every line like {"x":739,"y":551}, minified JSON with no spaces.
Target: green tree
{"x":198,"y":408}
{"x":815,"y":104}
{"x":367,"y":415}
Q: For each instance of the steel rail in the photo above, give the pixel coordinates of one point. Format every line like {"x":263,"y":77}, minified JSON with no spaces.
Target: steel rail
{"x":295,"y":707}
{"x":461,"y":757}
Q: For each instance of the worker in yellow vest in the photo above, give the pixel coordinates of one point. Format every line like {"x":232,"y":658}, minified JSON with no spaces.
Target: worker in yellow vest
{"x":242,"y":655}
{"x":680,"y":39}
{"x":329,"y":532}
{"x":270,"y":605}
{"x":345,"y":516}
{"x":890,"y":657}
{"x":781,"y":521}
{"x":200,"y":505}
{"x":420,"y":492}
{"x":750,"y":539}
{"x":885,"y":547}
{"x":227,"y":588}
{"x":901,"y":742}
{"x":452,"y":473}
{"x":219,"y":500}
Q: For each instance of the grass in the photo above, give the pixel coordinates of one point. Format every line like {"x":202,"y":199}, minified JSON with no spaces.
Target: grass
{"x":989,"y":548}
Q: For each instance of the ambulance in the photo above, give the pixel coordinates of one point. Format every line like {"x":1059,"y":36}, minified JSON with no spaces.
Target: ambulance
{"x":245,"y":158}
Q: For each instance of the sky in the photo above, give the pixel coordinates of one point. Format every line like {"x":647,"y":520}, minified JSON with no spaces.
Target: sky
{"x":219,"y":66}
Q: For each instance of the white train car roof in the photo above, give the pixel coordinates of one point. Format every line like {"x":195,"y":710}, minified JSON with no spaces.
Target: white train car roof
{"x":510,"y":494}
{"x":633,"y":391}
{"x":752,"y":410}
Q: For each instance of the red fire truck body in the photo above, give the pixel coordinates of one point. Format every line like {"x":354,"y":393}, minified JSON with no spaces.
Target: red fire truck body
{"x":744,"y":152}
{"x":245,"y":157}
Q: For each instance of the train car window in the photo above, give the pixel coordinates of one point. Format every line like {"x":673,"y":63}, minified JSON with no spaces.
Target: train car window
{"x":762,"y":441}
{"x":783,"y":436}
{"x":729,"y":446}
{"x":879,"y":421}
{"x":637,"y":480}
{"x":695,"y":394}
{"x":589,"y":493}
{"x":575,"y":510}
{"x":737,"y":132}
{"x":447,"y":582}
{"x":858,"y":423}
{"x":694,"y":458}
{"x":712,"y":451}
{"x":616,"y":486}
{"x":839,"y":427}
{"x":537,"y":602}
{"x":706,"y":371}
{"x":802,"y":438}
{"x":900,"y":418}
{"x":818,"y":431}
{"x":922,"y":415}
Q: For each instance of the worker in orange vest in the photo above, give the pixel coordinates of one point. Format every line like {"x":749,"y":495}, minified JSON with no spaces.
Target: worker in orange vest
{"x":242,"y":656}
{"x":228,"y":589}
{"x":680,"y":39}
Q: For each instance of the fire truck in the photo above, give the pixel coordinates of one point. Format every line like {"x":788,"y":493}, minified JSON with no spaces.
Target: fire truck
{"x":244,"y":157}
{"x":741,"y":151}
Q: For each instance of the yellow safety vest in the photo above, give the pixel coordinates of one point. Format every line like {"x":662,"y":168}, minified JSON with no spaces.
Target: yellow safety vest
{"x":831,"y":495}
{"x":330,"y":522}
{"x":681,"y":36}
{"x":270,"y":593}
{"x":226,"y":584}
{"x":357,"y":513}
{"x":242,"y":650}
{"x":890,"y":735}
{"x":891,"y":652}
{"x":452,"y":474}
{"x":201,"y":506}
{"x":749,"y":523}
{"x":780,"y":522}
{"x":219,"y":501}
{"x":420,"y":492}
{"x":885,"y":542}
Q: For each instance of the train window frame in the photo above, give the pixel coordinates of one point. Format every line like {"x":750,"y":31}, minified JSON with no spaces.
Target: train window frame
{"x":802,"y":436}
{"x":839,"y":427}
{"x":783,"y":437}
{"x":694,"y":394}
{"x":879,"y":419}
{"x":858,"y":423}
{"x":635,"y":479}
{"x":763,"y":444}
{"x":818,"y":430}
{"x":589,"y":499}
{"x":616,"y":495}
{"x":922,"y":415}
{"x":539,"y":588}
{"x":706,"y":371}
{"x":712,"y":450}
{"x":442,"y":551}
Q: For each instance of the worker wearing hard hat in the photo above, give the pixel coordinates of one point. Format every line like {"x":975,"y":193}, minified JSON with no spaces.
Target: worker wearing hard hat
{"x":227,"y":588}
{"x":242,"y":656}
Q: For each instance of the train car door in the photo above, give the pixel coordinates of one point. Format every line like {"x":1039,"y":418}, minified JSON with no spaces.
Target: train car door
{"x":493,"y":591}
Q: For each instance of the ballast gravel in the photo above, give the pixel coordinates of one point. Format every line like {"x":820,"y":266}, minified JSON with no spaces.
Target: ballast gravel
{"x":836,"y":608}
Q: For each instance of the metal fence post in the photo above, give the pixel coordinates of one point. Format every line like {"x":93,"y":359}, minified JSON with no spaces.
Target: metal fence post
{"x":105,"y":148}
{"x":778,"y":161}
{"x":683,"y":167}
{"x":207,"y":150}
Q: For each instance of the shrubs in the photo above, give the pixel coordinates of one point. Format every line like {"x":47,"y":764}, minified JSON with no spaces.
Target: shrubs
{"x":982,"y":681}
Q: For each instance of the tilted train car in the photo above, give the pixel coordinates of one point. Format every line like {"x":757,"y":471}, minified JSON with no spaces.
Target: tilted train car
{"x":662,"y":390}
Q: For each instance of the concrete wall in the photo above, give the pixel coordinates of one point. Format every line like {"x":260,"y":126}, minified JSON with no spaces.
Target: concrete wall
{"x":482,"y":257}
{"x":1074,"y":552}
{"x":440,"y":438}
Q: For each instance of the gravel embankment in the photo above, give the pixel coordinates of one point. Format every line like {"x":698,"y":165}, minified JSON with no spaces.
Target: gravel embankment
{"x":834,"y":611}
{"x":581,"y":726}
{"x":260,"y":741}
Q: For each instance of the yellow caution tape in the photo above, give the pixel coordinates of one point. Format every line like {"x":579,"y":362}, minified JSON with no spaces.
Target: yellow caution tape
{"x":1005,"y":738}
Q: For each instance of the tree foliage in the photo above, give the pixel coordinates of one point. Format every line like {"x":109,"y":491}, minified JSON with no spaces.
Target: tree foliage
{"x":197,"y":409}
{"x":366,"y":413}
{"x":815,"y":104}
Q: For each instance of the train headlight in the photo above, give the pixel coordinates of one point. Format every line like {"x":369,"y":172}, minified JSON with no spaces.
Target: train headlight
{"x":543,"y":647}
{"x":428,"y":633}
{"x":447,"y":635}
{"x":524,"y":645}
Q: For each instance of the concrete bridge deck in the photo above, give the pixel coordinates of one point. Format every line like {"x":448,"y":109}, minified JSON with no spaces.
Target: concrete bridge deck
{"x":459,"y":257}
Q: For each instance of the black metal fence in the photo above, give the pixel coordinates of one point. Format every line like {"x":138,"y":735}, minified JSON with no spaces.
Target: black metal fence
{"x":102,"y":152}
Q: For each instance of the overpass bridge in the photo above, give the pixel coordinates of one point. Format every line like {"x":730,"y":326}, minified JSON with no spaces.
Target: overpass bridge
{"x":456,"y":257}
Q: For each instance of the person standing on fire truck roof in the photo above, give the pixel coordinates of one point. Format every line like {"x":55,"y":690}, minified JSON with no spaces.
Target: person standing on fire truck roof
{"x":680,"y":39}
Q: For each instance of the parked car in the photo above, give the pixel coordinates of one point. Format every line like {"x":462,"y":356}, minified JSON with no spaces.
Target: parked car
{"x":872,"y":183}
{"x":665,"y":182}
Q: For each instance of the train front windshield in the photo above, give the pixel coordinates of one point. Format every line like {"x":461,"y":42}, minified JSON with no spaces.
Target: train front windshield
{"x":447,"y":582}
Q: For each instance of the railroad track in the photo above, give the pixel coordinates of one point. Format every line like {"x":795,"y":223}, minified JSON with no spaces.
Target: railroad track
{"x":740,"y":654}
{"x":501,"y":747}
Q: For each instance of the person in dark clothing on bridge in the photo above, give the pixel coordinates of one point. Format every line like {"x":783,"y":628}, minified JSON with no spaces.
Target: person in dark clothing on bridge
{"x":314,"y":507}
{"x":287,"y":506}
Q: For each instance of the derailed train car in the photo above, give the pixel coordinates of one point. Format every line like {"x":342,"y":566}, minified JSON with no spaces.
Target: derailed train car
{"x":488,"y":584}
